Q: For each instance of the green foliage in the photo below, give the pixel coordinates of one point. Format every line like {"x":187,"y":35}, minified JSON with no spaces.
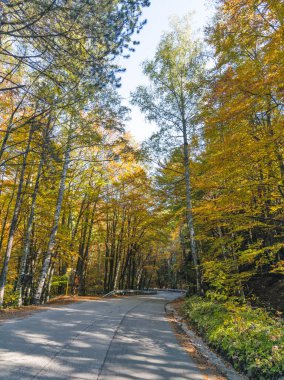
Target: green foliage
{"x":250,"y":338}
{"x":11,"y":297}
{"x":59,"y":280}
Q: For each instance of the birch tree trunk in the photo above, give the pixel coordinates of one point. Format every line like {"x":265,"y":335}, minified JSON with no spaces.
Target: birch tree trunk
{"x":115,"y":286}
{"x":86,"y":254}
{"x":14,"y":221}
{"x":189,"y":216}
{"x":5,"y":219}
{"x":27,"y":240}
{"x":51,"y":242}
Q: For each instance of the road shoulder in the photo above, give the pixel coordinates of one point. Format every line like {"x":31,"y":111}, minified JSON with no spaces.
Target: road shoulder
{"x":209,"y":361}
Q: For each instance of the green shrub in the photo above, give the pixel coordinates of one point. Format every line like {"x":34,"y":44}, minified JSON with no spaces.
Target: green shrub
{"x":11,"y":297}
{"x":250,"y":338}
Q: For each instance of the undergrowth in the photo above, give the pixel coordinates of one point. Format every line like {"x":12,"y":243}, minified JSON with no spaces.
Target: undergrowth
{"x":250,"y":338}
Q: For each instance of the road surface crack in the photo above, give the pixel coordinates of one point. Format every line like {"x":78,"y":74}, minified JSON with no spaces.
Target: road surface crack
{"x":114,"y":336}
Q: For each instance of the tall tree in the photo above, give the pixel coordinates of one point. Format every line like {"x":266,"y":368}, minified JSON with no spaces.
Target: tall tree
{"x":172,"y":101}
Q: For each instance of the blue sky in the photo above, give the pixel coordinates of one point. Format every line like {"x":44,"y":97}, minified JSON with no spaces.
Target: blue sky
{"x":157,"y":16}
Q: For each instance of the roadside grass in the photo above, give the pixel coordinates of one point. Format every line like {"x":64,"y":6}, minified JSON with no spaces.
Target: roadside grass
{"x":251,"y":339}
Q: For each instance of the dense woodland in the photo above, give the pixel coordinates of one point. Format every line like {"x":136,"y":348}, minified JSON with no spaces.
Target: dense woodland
{"x":199,"y":206}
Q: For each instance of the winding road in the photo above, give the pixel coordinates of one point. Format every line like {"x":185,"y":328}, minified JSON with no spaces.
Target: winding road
{"x":114,"y":339}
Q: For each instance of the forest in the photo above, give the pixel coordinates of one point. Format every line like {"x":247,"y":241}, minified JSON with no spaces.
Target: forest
{"x":84,"y":209}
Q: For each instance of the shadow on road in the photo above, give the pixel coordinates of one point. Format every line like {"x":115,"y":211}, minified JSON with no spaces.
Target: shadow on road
{"x":106,"y":339}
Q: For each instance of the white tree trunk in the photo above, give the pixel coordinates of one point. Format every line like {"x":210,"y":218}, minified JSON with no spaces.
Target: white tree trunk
{"x":189,"y":216}
{"x":52,"y":236}
{"x":27,"y":240}
{"x":13,"y":227}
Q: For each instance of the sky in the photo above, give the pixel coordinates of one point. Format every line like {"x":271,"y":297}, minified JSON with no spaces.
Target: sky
{"x":157,"y":16}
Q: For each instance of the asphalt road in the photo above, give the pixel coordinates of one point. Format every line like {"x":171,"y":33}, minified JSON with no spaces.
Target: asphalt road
{"x":113,"y":339}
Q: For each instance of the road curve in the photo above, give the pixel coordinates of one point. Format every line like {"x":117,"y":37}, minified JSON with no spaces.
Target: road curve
{"x":113,"y":339}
